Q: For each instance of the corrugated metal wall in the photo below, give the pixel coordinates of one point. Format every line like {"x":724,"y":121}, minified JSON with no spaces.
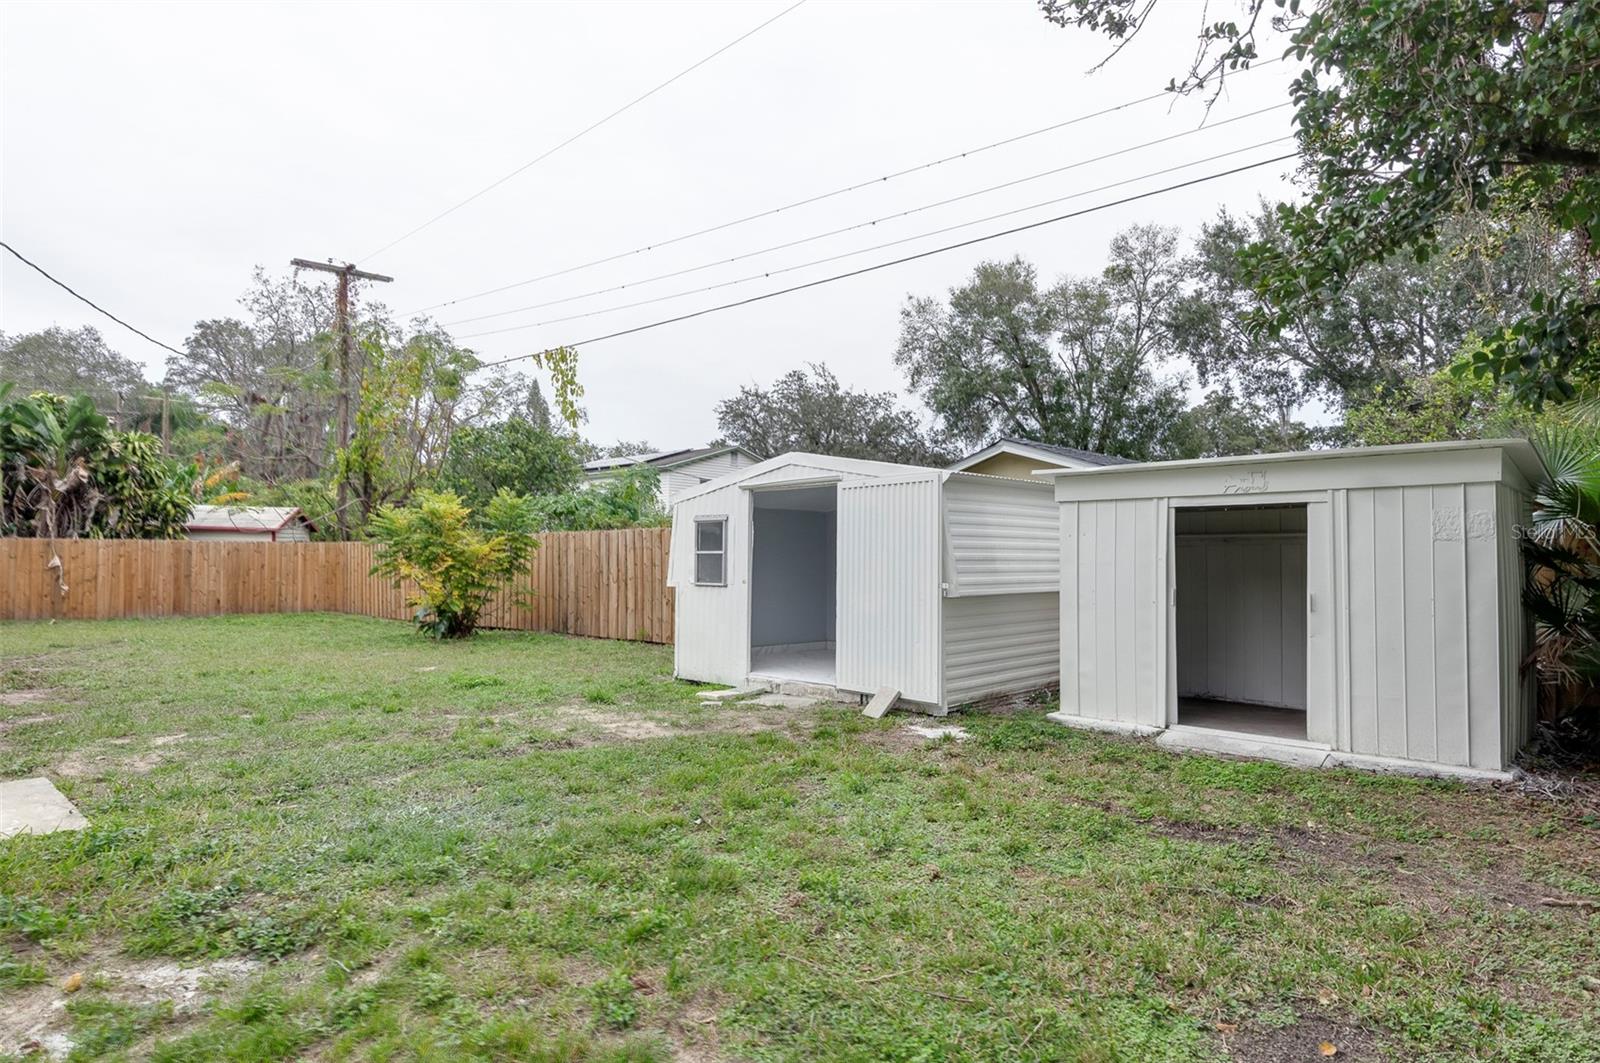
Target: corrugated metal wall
{"x":1003,"y":537}
{"x":1113,"y":610}
{"x":889,"y":602}
{"x":1000,"y":643}
{"x":713,"y":623}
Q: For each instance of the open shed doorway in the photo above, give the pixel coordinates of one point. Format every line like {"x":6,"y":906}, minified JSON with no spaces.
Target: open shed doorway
{"x":793,"y":584}
{"x":1240,"y":579}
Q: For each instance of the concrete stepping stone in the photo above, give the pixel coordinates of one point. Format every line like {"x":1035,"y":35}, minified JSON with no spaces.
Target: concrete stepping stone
{"x":35,"y":806}
{"x":729,"y":694}
{"x":960,"y":734}
{"x":785,"y":701}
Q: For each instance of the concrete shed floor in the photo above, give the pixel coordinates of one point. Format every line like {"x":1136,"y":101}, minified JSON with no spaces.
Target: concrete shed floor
{"x":1247,"y":719}
{"x":804,"y":664}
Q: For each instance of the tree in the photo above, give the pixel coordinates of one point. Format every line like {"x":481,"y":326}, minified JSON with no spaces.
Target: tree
{"x":1451,"y":403}
{"x":66,"y":473}
{"x":455,"y":564}
{"x":1392,"y":322}
{"x":78,"y":362}
{"x":628,"y":498}
{"x":1079,"y":364}
{"x":1410,"y":115}
{"x":810,"y":411}
{"x":516,"y":455}
{"x":269,"y":378}
{"x":1222,"y":425}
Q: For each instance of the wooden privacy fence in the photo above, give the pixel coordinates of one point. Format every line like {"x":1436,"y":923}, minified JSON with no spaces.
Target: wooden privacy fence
{"x":605,"y":584}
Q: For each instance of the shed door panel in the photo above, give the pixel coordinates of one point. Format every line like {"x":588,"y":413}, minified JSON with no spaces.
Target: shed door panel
{"x":888,"y":593}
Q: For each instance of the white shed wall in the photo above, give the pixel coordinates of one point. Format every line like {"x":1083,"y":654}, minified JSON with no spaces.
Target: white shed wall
{"x":1426,"y":610}
{"x":1414,"y":625}
{"x":1000,"y":643}
{"x":712,"y":643}
{"x":1113,"y":610}
{"x":1003,"y":536}
{"x":889,"y":602}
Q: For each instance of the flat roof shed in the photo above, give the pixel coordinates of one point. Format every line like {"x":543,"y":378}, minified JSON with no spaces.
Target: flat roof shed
{"x":1356,"y":607}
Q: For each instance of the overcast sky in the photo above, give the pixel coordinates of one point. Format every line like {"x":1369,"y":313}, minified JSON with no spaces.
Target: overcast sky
{"x":153,"y":154}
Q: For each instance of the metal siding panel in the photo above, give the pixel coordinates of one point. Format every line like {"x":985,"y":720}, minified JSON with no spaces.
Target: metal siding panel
{"x":1001,"y":643}
{"x":1321,"y":651}
{"x":1127,"y":609}
{"x":1363,"y":598}
{"x":1191,"y":630}
{"x":1003,"y":536}
{"x":1416,"y":549}
{"x":1390,"y":640}
{"x":1292,"y":624}
{"x":1147,"y":595}
{"x":1450,"y":662}
{"x":1068,"y":605}
{"x":1105,"y":620}
{"x":1484,"y":626}
{"x":889,"y":604}
{"x":1089,"y":632}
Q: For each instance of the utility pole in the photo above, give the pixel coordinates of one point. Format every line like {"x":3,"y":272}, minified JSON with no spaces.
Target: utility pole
{"x":341,"y":328}
{"x":166,"y":422}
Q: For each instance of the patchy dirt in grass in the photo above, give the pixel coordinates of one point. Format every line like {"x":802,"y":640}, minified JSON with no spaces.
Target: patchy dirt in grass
{"x":36,"y":1019}
{"x":1411,"y":870}
{"x":1308,"y":1038}
{"x":22,"y":721}
{"x":31,"y":696}
{"x":86,"y":764}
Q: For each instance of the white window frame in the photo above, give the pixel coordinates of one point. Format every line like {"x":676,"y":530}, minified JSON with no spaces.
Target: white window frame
{"x":709,"y":518}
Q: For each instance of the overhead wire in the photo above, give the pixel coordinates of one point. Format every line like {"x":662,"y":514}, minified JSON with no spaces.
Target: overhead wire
{"x":585,"y":131}
{"x":876,"y":247}
{"x":894,"y":262}
{"x":809,"y":200}
{"x":86,"y":300}
{"x":873,"y":222}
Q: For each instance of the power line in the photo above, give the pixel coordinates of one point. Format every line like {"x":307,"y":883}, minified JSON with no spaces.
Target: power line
{"x":87,"y":301}
{"x":818,"y":198}
{"x":900,"y":261}
{"x":877,"y":247}
{"x":585,"y":131}
{"x":879,"y":220}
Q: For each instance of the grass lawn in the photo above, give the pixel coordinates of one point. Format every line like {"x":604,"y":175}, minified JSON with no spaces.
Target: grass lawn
{"x":328,"y":837}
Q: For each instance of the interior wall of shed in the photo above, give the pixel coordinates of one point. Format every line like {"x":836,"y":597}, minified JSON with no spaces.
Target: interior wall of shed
{"x":793,"y":569}
{"x":1240,"y":578}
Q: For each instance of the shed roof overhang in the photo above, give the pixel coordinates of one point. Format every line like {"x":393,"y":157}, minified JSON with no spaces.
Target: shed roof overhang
{"x":1512,"y":461}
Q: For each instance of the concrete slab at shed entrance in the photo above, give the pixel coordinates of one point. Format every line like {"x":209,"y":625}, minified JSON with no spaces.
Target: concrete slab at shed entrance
{"x":35,"y":806}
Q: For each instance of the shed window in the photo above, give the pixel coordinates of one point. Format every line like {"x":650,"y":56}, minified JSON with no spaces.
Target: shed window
{"x":710,"y":551}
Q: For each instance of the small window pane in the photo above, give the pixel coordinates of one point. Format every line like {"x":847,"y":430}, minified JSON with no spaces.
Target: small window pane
{"x":708,"y":535}
{"x":708,"y":568}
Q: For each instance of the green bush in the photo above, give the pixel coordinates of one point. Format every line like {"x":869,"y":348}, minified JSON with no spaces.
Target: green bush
{"x":453,"y":565}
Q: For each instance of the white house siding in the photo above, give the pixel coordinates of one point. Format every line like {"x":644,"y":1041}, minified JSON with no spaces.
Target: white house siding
{"x":1002,"y":536}
{"x":1113,"y":564}
{"x":294,"y":532}
{"x":712,"y":643}
{"x":1000,"y":643}
{"x":889,"y":573}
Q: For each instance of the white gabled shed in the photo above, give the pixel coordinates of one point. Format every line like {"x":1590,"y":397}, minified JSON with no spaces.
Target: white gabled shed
{"x":860,"y":574}
{"x":1355,"y":606}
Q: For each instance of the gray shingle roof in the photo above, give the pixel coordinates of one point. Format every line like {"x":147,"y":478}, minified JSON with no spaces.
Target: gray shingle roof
{"x":1090,"y":456}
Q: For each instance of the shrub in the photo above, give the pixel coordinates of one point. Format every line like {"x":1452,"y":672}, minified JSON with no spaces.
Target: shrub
{"x":455,"y":566}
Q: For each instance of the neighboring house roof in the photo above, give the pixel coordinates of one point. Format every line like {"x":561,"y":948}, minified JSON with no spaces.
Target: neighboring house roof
{"x":251,"y":519}
{"x":664,"y":459}
{"x":1027,"y":448}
